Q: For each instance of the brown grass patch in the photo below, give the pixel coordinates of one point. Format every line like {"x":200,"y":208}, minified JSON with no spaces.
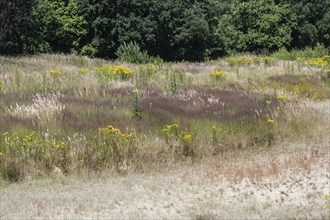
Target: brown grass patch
{"x":205,"y":102}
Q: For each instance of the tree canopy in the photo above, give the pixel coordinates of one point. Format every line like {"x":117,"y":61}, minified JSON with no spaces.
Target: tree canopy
{"x":171,"y":29}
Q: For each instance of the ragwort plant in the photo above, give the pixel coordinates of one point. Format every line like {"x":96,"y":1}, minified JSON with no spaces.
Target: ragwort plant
{"x":270,"y":135}
{"x":55,"y":74}
{"x":114,"y":149}
{"x":107,"y":73}
{"x":22,"y":155}
{"x":176,"y":81}
{"x":217,"y":77}
{"x":180,"y":142}
{"x":145,"y":73}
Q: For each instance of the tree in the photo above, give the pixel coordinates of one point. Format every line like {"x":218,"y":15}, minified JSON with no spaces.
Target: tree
{"x":313,"y":19}
{"x":62,"y":27}
{"x":257,"y":26}
{"x":18,"y":31}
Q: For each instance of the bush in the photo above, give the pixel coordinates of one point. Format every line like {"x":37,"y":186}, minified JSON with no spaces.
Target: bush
{"x":88,"y":50}
{"x":132,"y":53}
{"x":318,"y":51}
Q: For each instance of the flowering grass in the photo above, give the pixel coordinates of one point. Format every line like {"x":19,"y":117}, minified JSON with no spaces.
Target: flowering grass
{"x":181,"y":112}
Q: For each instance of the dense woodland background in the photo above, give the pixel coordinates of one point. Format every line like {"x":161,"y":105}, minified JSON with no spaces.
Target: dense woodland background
{"x":191,"y":30}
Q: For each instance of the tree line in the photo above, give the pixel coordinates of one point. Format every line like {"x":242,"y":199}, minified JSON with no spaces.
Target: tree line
{"x":171,"y":29}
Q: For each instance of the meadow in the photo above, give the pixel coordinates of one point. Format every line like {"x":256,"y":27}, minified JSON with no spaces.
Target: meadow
{"x":80,"y":115}
{"x":73,"y":116}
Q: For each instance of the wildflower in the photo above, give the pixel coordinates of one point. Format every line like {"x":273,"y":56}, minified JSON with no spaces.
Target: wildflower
{"x":5,"y":134}
{"x":135,"y":91}
{"x":175,"y":126}
{"x":60,"y":144}
{"x":281,"y":97}
{"x":216,"y":73}
{"x":83,"y":70}
{"x":1,"y":154}
{"x":268,"y":102}
{"x":55,"y":73}
{"x":271,"y":121}
{"x":267,"y":59}
{"x":187,"y":138}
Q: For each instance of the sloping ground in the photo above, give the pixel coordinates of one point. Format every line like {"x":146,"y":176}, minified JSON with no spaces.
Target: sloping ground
{"x":268,"y":185}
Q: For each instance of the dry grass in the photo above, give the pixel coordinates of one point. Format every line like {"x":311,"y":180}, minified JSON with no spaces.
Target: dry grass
{"x":271,"y":185}
{"x":248,"y":168}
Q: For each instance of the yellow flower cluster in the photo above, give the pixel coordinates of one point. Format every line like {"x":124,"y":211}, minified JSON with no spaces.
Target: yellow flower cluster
{"x":271,"y":121}
{"x":240,"y":61}
{"x":114,"y":72}
{"x":187,"y":138}
{"x":281,"y":97}
{"x":57,"y":144}
{"x":83,"y":70}
{"x":55,"y":73}
{"x":267,"y":60}
{"x":217,"y":73}
{"x":300,"y":59}
{"x":170,"y":129}
{"x":31,"y":145}
{"x":115,"y":132}
{"x":317,"y":62}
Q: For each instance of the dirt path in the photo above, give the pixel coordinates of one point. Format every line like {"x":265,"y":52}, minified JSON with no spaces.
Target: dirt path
{"x":207,"y":191}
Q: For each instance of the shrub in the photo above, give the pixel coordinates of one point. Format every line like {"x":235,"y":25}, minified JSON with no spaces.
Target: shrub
{"x":132,"y":53}
{"x":318,"y":51}
{"x":88,"y":50}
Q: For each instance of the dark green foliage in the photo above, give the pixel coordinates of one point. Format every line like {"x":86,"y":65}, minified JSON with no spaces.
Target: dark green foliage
{"x":18,"y":28}
{"x":257,"y":26}
{"x":191,"y":30}
{"x":62,"y":27}
{"x":132,"y":53}
{"x":313,"y":23}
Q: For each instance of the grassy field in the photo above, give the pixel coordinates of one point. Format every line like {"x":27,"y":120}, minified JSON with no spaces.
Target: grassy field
{"x":72,"y":119}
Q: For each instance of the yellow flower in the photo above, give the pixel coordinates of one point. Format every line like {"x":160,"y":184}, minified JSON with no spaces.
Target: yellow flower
{"x":83,"y":70}
{"x":300,"y":59}
{"x":135,"y":91}
{"x":268,"y":102}
{"x":5,"y":134}
{"x":1,"y":154}
{"x":281,"y":97}
{"x":267,"y":59}
{"x":175,"y":126}
{"x":271,"y":121}
{"x":54,"y":73}
{"x":216,"y":73}
{"x":187,"y":138}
